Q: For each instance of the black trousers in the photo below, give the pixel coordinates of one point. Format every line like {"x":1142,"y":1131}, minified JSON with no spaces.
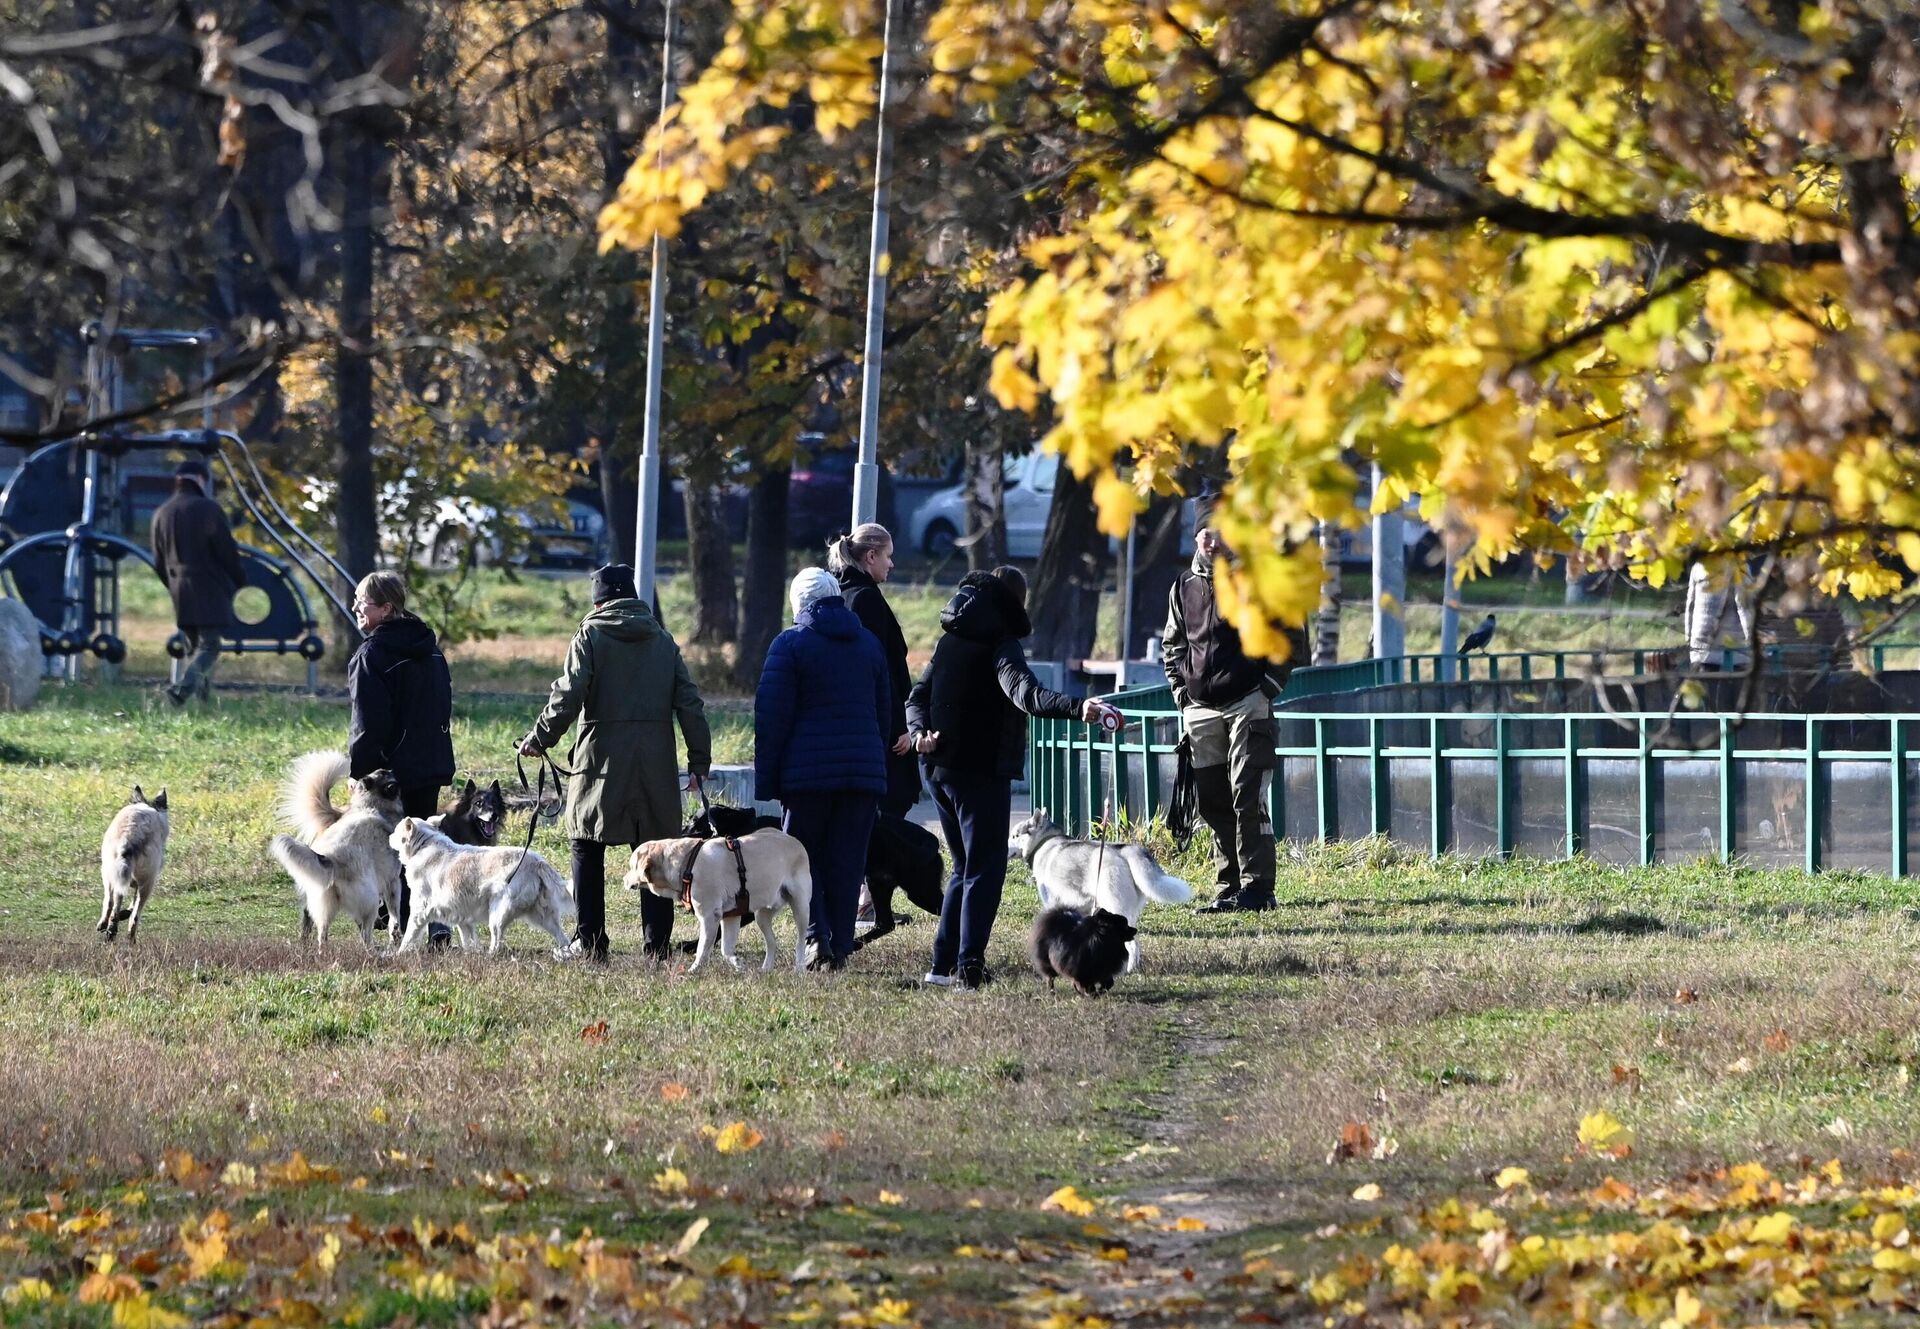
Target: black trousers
{"x":590,"y":902}
{"x":974,"y":812}
{"x":421,"y":801}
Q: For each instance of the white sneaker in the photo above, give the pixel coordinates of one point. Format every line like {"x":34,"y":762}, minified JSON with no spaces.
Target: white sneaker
{"x":933,"y":980}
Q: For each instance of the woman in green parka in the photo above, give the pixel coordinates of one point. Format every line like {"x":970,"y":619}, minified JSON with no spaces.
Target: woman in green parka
{"x":626,"y":684}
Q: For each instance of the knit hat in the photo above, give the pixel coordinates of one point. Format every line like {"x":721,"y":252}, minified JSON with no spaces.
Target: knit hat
{"x":196,"y":469}
{"x":613,"y":582}
{"x":811,"y":584}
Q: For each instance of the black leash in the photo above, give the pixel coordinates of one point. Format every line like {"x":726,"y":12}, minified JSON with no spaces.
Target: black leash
{"x":741,"y":903}
{"x":539,"y":791}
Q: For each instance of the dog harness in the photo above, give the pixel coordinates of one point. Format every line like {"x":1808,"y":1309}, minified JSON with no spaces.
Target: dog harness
{"x":742,"y":903}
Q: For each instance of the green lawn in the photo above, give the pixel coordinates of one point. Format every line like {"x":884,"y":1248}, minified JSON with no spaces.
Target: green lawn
{"x":518,"y":1138}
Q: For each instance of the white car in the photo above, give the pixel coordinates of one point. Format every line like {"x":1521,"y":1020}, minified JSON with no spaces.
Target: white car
{"x":1026,"y":494}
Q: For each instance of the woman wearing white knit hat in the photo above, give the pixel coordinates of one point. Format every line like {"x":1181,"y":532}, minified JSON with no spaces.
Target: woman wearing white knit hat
{"x":818,"y":747}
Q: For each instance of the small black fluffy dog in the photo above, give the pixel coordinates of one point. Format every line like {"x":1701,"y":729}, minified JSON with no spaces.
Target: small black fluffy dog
{"x":1090,"y":950}
{"x":901,"y":857}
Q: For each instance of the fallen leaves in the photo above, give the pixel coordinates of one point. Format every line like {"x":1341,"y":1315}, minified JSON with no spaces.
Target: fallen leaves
{"x":1368,"y":1193}
{"x":736,"y":1137}
{"x":1603,"y":1133}
{"x":1068,"y":1200}
{"x":673,"y":1092}
{"x":594,"y":1033}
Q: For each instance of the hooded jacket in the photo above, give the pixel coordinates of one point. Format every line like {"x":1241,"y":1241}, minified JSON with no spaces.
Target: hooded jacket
{"x":1201,"y":650}
{"x":864,"y":598}
{"x":977,"y":691}
{"x":194,"y":553}
{"x":401,"y":696}
{"x":626,"y":684}
{"x":821,"y":707}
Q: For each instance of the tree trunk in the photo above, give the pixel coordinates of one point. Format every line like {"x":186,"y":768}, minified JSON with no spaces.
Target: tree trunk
{"x":1065,"y":603}
{"x":985,"y":538}
{"x":355,"y":512}
{"x":1156,"y":562}
{"x":763,"y":607}
{"x":716,"y":616}
{"x":621,"y":344}
{"x":1326,"y":624}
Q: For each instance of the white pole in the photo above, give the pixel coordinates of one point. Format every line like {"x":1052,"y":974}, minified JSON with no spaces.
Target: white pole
{"x":866,"y":471}
{"x":1126,"y":608}
{"x":647,"y":525}
{"x":1449,"y":620}
{"x":1389,"y":581}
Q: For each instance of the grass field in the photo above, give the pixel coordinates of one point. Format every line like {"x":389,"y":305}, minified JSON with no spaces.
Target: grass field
{"x":222,"y":1128}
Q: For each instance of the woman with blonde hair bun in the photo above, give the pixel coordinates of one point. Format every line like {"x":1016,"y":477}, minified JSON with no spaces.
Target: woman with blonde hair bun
{"x":861,"y":561}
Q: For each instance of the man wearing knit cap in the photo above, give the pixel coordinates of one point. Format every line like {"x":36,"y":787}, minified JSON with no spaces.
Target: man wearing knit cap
{"x":194,"y":553}
{"x":626,"y":684}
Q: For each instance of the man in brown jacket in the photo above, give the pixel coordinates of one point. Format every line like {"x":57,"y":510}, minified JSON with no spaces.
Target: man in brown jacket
{"x":194,"y":553}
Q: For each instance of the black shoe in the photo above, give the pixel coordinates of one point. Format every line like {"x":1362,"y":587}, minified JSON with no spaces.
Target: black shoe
{"x":973,"y":977}
{"x":1224,"y":903}
{"x":1242,"y":903}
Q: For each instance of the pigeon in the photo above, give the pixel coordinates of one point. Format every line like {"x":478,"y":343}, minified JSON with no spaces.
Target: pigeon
{"x":1477,"y":639}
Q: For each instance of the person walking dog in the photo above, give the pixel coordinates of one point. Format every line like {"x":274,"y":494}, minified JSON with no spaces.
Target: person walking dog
{"x":820,"y":721}
{"x":195,"y":555}
{"x":967,"y":718}
{"x":400,"y":697}
{"x":1226,"y":704}
{"x":626,"y":683}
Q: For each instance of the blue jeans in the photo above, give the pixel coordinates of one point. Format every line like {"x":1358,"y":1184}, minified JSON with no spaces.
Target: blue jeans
{"x":974,"y":813}
{"x":834,"y":828}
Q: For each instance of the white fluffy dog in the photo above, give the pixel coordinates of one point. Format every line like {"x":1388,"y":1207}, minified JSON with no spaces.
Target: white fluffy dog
{"x":777,"y":869}
{"x":132,"y":853}
{"x":345,"y":866}
{"x":464,"y":886}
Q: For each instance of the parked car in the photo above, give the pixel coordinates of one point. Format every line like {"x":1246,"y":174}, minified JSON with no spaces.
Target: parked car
{"x":1026,"y":493}
{"x":579,"y":539}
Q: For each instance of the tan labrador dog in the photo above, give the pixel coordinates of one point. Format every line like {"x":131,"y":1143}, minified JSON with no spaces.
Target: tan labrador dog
{"x":777,"y":869}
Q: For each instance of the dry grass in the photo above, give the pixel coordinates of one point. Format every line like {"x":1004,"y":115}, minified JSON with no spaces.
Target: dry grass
{"x":1471,"y":1013}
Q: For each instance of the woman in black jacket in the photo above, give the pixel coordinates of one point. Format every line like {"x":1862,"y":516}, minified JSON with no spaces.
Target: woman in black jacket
{"x":401,"y":697}
{"x":860,"y":562}
{"x":967,"y":717}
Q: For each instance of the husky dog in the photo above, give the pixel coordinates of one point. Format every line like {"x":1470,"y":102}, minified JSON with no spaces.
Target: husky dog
{"x":777,"y":869}
{"x":474,"y":817}
{"x":1085,"y":876}
{"x":464,"y":886}
{"x":1090,"y":952}
{"x":346,"y":865}
{"x":131,"y":855}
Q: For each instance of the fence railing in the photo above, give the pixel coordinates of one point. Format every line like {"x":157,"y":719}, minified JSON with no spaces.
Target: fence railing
{"x":1815,"y":791}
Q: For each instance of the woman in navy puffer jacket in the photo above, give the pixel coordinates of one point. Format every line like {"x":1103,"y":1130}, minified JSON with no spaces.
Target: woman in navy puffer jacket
{"x":818,"y":747}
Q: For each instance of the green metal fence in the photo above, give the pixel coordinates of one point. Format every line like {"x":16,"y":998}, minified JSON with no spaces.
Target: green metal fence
{"x":1809,"y":790}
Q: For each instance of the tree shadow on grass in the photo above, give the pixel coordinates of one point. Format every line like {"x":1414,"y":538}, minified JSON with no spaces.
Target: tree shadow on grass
{"x":1619,"y":923}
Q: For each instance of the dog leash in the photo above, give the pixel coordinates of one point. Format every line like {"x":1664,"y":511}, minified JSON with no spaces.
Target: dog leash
{"x":539,"y":791}
{"x":742,"y":904}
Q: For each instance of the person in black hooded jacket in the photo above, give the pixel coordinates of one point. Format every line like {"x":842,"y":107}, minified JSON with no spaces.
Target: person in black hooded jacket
{"x":401,"y":698}
{"x":967,"y":718}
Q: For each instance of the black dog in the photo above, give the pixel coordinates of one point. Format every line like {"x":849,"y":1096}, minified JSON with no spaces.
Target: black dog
{"x":900,"y":857}
{"x":1088,"y":950}
{"x":475,"y":816}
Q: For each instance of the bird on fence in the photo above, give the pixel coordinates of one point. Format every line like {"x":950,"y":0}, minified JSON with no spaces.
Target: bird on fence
{"x":1477,"y":639}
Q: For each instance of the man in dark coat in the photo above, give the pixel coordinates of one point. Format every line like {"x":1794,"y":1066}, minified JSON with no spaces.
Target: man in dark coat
{"x":626,"y":684}
{"x":968,"y":720}
{"x":1226,"y":704}
{"x":194,"y":553}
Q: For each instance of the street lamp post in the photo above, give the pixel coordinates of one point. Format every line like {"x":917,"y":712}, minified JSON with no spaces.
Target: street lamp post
{"x":647,"y":523}
{"x":866,"y":471}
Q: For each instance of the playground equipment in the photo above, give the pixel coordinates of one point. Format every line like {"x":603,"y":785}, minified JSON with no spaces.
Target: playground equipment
{"x":1553,"y":754}
{"x":64,"y":519}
